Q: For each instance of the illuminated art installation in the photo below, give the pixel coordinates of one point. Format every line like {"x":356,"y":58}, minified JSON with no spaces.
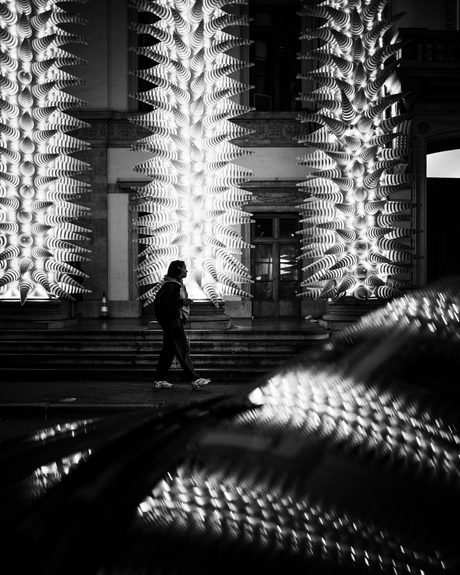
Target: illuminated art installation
{"x":193,"y":199}
{"x":345,"y":460}
{"x":354,"y":231}
{"x":37,"y":185}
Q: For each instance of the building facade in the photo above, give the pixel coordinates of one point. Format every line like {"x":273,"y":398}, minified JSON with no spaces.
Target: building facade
{"x":429,"y":70}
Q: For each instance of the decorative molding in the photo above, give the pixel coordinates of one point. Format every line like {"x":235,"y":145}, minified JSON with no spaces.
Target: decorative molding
{"x":111,"y":133}
{"x":270,"y":129}
{"x":273,"y":192}
{"x":271,"y":198}
{"x":275,"y":185}
{"x":424,"y":128}
{"x":450,"y":15}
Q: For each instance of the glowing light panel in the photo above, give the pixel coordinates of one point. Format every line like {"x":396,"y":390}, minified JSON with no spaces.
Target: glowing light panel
{"x":37,"y":185}
{"x":354,"y":231}
{"x":193,"y":199}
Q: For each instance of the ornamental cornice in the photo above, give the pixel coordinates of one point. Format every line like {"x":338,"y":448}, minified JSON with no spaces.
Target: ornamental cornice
{"x":114,"y":130}
{"x":276,"y":199}
{"x":271,"y":129}
{"x":273,"y":192}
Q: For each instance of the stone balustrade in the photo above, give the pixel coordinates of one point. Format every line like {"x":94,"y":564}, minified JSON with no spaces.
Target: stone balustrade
{"x":430,"y":46}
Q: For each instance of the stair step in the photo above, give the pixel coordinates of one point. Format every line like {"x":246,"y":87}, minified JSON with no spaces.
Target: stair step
{"x":120,"y":359}
{"x":317,"y":333}
{"x":58,"y":347}
{"x":247,"y":374}
{"x":240,"y":354}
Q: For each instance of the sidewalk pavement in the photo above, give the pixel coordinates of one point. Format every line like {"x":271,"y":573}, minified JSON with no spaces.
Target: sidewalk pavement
{"x":28,"y":406}
{"x":77,"y":399}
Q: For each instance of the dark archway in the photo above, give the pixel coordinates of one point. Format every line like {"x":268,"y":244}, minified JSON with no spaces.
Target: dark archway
{"x":443,"y":218}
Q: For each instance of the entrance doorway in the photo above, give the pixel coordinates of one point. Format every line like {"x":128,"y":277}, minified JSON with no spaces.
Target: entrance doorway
{"x":275,"y":268}
{"x":443,"y":227}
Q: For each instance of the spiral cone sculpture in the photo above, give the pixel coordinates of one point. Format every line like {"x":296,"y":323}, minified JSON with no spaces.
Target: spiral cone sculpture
{"x":353,"y":228}
{"x":193,"y":199}
{"x":37,"y":185}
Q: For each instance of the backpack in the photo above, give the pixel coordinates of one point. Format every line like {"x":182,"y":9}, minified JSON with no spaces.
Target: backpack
{"x":156,"y":302}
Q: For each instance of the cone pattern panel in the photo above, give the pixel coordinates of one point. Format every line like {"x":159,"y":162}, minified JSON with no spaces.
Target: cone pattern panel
{"x":355,"y":231}
{"x":37,"y":185}
{"x":194,"y":199}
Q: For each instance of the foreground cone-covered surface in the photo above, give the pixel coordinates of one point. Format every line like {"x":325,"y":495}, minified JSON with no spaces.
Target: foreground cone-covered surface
{"x":344,"y":461}
{"x":357,"y":209}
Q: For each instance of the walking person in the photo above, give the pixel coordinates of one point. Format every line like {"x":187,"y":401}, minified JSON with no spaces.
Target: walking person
{"x":172,"y":308}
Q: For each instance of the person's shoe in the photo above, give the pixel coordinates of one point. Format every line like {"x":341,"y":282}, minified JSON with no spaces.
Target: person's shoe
{"x":159,"y":384}
{"x":201,"y":382}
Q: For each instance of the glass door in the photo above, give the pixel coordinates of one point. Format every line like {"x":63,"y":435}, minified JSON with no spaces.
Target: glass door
{"x":275,"y":268}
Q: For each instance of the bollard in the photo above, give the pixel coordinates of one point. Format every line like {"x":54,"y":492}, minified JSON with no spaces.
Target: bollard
{"x":104,"y":307}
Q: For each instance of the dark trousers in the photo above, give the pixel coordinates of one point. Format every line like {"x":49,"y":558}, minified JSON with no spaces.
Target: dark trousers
{"x":175,"y":344}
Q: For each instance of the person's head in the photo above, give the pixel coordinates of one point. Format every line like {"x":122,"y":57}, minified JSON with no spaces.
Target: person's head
{"x":177,"y":269}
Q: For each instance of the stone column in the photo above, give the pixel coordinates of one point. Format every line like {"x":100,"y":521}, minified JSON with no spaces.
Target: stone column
{"x":205,"y":315}
{"x":347,"y":311}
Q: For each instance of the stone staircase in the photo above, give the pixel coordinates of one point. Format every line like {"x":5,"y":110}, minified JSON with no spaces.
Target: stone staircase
{"x":221,"y":355}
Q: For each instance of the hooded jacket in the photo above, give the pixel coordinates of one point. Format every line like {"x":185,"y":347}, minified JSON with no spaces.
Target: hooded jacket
{"x":169,"y":302}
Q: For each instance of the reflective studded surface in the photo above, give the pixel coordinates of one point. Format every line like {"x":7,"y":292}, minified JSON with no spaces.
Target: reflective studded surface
{"x":346,"y":460}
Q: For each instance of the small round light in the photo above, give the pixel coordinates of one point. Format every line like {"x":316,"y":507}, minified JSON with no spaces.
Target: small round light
{"x":25,"y":240}
{"x":197,"y":179}
{"x":360,"y":272}
{"x":197,"y":155}
{"x":364,"y":125}
{"x":360,"y":194}
{"x":360,"y":222}
{"x":184,"y":214}
{"x":27,"y":145}
{"x":361,"y":247}
{"x":25,"y":77}
{"x":196,"y":202}
{"x":361,"y":293}
{"x":358,"y":169}
{"x":196,"y":227}
{"x":27,"y":192}
{"x":27,"y":169}
{"x":196,"y":251}
{"x":25,"y":98}
{"x":24,"y":217}
{"x":26,"y":122}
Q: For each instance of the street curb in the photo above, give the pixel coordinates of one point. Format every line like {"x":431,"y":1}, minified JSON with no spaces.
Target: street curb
{"x":70,"y":412}
{"x":30,"y":374}
{"x":74,"y":411}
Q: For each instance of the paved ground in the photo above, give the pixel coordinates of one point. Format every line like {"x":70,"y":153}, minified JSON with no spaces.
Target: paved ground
{"x":26,"y":406}
{"x":37,"y":402}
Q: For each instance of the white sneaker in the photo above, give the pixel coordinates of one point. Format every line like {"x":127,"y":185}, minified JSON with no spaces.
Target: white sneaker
{"x":200,"y":382}
{"x":159,"y":384}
